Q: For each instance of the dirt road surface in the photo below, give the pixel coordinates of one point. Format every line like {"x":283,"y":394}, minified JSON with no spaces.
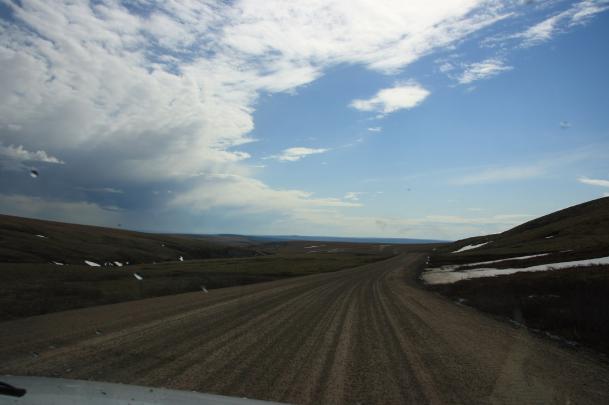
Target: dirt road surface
{"x":368,"y":335}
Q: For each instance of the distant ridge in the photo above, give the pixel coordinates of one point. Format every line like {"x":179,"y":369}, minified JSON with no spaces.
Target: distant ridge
{"x":280,"y":238}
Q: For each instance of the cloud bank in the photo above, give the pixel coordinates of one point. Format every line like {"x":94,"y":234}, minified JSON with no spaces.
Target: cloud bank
{"x":154,"y":95}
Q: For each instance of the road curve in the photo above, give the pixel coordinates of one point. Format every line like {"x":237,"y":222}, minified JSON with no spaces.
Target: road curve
{"x":365,"y":335}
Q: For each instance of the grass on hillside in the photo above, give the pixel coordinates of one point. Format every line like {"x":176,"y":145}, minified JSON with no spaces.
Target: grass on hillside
{"x":31,"y":289}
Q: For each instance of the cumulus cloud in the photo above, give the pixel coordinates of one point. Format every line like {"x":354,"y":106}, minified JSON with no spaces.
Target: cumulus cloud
{"x":482,"y":70}
{"x":392,"y":99}
{"x":297,"y":153}
{"x":167,"y":90}
{"x":161,"y":93}
{"x":594,"y":182}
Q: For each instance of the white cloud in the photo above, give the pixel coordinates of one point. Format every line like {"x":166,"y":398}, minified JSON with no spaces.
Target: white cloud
{"x":297,"y":153}
{"x":375,"y":129}
{"x":19,"y":154}
{"x":564,"y":124}
{"x":594,"y":182}
{"x":482,"y":70}
{"x":384,"y":36}
{"x":395,"y":98}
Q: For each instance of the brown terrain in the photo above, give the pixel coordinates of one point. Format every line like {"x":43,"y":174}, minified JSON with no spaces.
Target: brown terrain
{"x":365,"y":335}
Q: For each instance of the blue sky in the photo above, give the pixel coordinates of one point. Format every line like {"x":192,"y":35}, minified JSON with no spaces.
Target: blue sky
{"x":426,"y":120}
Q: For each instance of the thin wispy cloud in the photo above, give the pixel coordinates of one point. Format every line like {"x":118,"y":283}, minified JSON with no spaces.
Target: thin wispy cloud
{"x":578,"y":14}
{"x":446,"y":67}
{"x":353,"y":195}
{"x":482,"y":70}
{"x":399,"y":97}
{"x":297,"y":153}
{"x":594,"y":182}
{"x":500,"y":174}
{"x":541,"y":32}
{"x":536,"y":169}
{"x":108,"y":190}
{"x":375,"y":129}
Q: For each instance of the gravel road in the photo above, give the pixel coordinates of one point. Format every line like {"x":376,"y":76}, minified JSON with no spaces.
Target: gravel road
{"x":368,"y":335}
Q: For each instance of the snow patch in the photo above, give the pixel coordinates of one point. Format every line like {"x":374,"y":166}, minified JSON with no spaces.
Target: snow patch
{"x":504,"y":260}
{"x":444,"y":276}
{"x":118,"y":264}
{"x":470,"y":247}
{"x":92,"y":264}
{"x":41,"y":236}
{"x":57,"y":263}
{"x":181,"y":258}
{"x":137,"y":276}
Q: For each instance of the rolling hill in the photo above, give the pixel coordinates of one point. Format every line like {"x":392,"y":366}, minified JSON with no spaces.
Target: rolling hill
{"x":574,"y":233}
{"x":547,"y":281}
{"x":25,"y":240}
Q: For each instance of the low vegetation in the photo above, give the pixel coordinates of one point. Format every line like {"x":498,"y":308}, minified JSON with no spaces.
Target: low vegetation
{"x":37,"y":288}
{"x":570,"y":305}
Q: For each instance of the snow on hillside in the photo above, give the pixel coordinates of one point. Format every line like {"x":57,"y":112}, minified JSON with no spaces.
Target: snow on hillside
{"x":446,"y":274}
{"x":470,"y":247}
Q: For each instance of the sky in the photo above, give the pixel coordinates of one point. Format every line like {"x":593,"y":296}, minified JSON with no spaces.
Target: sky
{"x":418,"y":119}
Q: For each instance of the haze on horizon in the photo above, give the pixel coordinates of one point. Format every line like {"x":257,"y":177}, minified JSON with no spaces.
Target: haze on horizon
{"x":424,"y":119}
